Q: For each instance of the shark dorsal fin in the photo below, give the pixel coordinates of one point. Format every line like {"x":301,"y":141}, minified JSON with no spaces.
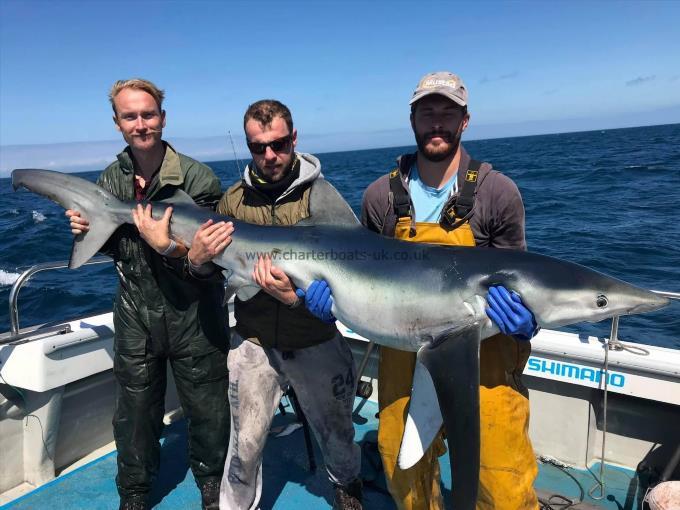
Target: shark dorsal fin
{"x":178,"y":197}
{"x":327,"y":207}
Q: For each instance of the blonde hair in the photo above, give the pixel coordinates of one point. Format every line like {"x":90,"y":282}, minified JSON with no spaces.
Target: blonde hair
{"x":137,"y":84}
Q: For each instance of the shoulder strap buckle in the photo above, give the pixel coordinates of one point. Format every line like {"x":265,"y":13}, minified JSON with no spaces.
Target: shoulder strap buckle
{"x":459,"y":208}
{"x":401,"y":200}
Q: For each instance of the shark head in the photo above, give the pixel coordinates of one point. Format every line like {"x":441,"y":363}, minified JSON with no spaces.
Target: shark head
{"x":603,"y":298}
{"x":560,"y":293}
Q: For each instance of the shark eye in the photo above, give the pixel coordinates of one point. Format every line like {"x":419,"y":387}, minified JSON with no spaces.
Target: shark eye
{"x":601,"y":301}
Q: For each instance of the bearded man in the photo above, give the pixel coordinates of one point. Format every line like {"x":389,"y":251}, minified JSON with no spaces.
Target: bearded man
{"x":440,"y":195}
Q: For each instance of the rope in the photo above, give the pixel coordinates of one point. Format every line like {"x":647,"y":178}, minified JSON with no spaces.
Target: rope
{"x":613,"y":340}
{"x":558,"y":501}
{"x":27,"y":416}
{"x":17,"y":390}
{"x":618,"y":345}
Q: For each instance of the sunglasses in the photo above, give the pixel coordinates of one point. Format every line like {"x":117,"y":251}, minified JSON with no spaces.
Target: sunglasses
{"x":278,"y":145}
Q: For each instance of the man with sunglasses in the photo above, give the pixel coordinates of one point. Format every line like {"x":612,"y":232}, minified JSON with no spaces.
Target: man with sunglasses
{"x":440,"y":195}
{"x":277,"y":342}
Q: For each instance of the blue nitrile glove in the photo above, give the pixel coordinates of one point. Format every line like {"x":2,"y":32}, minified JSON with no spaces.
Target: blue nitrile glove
{"x":509,"y":313}
{"x":318,"y":300}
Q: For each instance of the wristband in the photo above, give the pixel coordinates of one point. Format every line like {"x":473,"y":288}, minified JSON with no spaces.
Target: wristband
{"x":171,"y":248}
{"x":191,"y":264}
{"x":201,"y":271}
{"x":298,"y":301}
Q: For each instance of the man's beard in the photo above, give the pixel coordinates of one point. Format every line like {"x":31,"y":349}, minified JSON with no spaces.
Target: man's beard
{"x":442,"y":151}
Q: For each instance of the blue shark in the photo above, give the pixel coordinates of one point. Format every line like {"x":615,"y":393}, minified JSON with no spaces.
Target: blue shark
{"x":421,"y":298}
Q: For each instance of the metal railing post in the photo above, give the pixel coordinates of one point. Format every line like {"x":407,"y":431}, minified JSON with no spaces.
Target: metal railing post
{"x":26,"y":275}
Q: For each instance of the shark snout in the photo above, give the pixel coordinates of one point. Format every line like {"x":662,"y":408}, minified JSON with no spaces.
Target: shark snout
{"x":650,"y":302}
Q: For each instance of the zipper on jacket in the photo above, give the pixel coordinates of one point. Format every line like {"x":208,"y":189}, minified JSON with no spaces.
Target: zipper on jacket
{"x":266,"y":197}
{"x":278,"y":303}
{"x":276,"y":325}
{"x":273,"y":222}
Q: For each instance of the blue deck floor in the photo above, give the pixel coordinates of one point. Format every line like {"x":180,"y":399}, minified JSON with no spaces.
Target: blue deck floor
{"x":288,"y":484}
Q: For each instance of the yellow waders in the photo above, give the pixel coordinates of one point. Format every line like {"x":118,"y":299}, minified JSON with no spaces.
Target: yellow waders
{"x":507,"y":463}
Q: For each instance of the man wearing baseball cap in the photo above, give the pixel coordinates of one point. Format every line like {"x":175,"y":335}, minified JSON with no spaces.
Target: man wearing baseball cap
{"x":440,"y":195}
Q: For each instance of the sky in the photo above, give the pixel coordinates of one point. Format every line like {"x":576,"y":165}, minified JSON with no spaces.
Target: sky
{"x":346,"y":69}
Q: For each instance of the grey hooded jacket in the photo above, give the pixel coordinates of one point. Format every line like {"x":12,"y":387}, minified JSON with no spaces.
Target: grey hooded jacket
{"x":262,"y":318}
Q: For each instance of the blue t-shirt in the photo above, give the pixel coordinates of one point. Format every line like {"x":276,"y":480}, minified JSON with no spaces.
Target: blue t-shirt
{"x":428,"y":201}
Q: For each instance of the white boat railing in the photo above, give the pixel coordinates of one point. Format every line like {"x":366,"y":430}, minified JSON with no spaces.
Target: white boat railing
{"x":669,"y":295}
{"x":24,"y":277}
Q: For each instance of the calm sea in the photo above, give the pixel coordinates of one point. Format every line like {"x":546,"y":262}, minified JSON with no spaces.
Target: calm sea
{"x":607,"y":199}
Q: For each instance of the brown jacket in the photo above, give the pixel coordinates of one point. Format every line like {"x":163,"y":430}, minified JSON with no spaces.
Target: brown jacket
{"x":498,"y":214}
{"x":262,"y":318}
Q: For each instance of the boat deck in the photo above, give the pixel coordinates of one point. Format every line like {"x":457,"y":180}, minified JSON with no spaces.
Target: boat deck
{"x":288,"y":483}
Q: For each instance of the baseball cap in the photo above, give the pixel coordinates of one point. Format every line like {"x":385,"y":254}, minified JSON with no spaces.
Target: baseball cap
{"x":443,"y":83}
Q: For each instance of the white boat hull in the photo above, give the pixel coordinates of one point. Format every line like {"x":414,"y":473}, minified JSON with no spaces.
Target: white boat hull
{"x":68,"y":398}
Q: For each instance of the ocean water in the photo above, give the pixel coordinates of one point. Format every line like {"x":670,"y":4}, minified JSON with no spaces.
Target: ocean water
{"x":609,"y":200}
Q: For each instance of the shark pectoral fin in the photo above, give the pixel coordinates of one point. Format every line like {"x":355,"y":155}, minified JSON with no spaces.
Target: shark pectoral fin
{"x":452,"y":361}
{"x":424,"y":419}
{"x":327,"y":207}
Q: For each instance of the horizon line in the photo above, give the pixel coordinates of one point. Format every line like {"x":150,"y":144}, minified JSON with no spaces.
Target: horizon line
{"x":97,"y":162}
{"x":198,"y":138}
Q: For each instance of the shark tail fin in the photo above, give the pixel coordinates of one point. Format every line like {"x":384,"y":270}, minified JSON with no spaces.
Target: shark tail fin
{"x":104,"y":211}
